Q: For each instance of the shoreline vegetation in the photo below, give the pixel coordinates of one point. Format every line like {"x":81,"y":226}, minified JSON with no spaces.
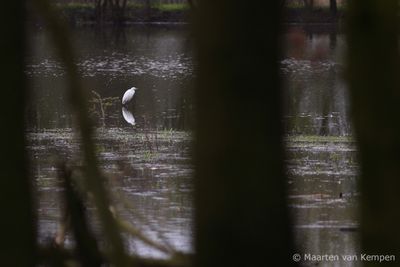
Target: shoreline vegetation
{"x":179,"y":13}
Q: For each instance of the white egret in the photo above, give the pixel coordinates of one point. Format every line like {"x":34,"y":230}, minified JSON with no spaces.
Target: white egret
{"x":128,"y":95}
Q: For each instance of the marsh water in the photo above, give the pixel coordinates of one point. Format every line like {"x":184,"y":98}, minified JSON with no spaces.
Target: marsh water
{"x":145,"y":148}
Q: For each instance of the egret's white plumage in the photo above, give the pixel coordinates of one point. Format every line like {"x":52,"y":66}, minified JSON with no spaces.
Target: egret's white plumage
{"x":128,"y":95}
{"x":128,"y":116}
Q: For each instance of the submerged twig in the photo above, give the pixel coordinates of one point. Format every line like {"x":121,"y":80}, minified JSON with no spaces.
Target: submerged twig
{"x":131,"y":229}
{"x":166,"y":246}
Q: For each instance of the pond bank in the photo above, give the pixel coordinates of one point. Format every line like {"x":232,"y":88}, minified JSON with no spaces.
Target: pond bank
{"x":78,"y":14}
{"x":319,"y":15}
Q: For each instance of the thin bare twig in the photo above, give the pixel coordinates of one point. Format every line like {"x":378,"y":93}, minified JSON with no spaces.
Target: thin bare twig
{"x":100,"y":100}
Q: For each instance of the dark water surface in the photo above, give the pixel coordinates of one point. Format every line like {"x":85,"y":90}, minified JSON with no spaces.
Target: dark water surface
{"x":149,"y":163}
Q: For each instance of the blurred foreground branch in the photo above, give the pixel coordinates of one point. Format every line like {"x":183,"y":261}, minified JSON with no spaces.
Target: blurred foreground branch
{"x":94,"y":180}
{"x":373,"y":74}
{"x":17,"y":224}
{"x":241,"y":209}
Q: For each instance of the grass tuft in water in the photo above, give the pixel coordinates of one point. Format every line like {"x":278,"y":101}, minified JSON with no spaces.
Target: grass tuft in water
{"x":319,"y":139}
{"x":172,"y":7}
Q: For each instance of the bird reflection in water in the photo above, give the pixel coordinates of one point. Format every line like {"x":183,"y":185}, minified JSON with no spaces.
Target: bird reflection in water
{"x":128,"y":116}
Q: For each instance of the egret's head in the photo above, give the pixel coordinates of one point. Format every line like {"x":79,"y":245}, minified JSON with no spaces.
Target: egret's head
{"x":134,"y":88}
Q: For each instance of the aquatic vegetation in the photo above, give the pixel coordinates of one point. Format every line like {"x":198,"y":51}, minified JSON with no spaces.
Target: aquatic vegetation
{"x":171,"y":6}
{"x":320,"y":139}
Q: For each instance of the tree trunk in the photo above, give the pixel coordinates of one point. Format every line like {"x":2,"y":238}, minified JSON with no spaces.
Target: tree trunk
{"x":333,"y":7}
{"x":240,"y":199}
{"x":192,"y":4}
{"x":99,"y":10}
{"x":17,"y":222}
{"x":148,"y":10}
{"x":373,"y":63}
{"x":309,"y":4}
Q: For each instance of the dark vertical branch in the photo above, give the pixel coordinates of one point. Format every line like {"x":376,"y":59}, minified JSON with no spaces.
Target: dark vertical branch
{"x":97,"y":10}
{"x":373,"y":63}
{"x":100,"y":10}
{"x":87,"y":250}
{"x":309,"y":4}
{"x":104,"y":10}
{"x":111,"y":11}
{"x":148,"y":9}
{"x":17,"y":222}
{"x":192,"y":4}
{"x":333,"y":7}
{"x":241,"y":209}
{"x":332,"y":39}
{"x":119,"y":12}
